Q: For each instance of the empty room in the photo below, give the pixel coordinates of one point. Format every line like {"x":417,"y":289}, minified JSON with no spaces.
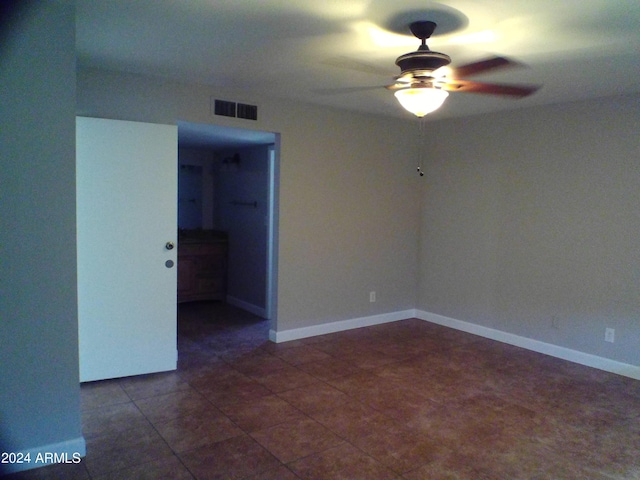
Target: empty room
{"x":425,"y":217}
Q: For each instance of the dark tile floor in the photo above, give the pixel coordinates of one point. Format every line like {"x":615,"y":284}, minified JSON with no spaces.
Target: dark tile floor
{"x":407,"y":400}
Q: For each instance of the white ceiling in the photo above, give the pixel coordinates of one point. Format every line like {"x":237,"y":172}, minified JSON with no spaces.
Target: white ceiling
{"x":297,"y":49}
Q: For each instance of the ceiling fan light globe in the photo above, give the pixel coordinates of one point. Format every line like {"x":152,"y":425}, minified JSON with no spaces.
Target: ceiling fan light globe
{"x":422,"y":100}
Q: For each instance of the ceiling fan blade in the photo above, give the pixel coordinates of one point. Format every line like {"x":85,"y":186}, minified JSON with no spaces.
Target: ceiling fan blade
{"x":356,"y":66}
{"x":491,"y":88}
{"x":338,"y":91}
{"x":483,"y":66}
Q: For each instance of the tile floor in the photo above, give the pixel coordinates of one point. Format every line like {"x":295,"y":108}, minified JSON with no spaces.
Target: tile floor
{"x":407,"y":400}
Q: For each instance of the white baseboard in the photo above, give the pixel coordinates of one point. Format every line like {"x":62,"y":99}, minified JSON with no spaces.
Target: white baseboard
{"x":332,"y":327}
{"x":249,"y":307}
{"x":574,"y":356}
{"x":70,"y":451}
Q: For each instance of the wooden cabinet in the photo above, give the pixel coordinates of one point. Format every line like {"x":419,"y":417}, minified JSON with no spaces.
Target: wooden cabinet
{"x":202,"y":270}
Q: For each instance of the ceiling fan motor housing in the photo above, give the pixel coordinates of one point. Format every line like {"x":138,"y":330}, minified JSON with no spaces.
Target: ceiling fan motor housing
{"x":422,"y":60}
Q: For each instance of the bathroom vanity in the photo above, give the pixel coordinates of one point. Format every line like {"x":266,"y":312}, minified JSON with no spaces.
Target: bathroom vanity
{"x":202,"y":265}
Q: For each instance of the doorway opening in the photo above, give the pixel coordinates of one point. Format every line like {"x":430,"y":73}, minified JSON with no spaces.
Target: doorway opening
{"x":228,"y":212}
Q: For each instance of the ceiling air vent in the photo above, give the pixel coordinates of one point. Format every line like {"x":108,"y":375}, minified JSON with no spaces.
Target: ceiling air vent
{"x":224,"y":108}
{"x":233,"y":109}
{"x":250,"y":112}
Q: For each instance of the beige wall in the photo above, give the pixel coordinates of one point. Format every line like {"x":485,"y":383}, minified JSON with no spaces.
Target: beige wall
{"x":528,"y":220}
{"x":531,"y":224}
{"x":349,"y":193}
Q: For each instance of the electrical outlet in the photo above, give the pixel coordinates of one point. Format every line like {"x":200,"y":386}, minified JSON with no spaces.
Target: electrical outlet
{"x":372,"y":297}
{"x":609,"y":335}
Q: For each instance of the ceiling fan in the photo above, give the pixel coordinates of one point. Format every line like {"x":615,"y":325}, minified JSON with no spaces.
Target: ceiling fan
{"x":426,"y":79}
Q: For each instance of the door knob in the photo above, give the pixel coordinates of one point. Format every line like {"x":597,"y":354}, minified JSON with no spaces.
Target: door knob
{"x":169,"y":246}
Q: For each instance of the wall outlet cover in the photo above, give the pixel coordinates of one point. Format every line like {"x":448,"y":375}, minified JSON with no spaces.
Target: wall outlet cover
{"x":609,"y":335}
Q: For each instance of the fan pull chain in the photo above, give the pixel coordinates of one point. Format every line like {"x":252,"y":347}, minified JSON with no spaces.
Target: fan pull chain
{"x":422,"y":128}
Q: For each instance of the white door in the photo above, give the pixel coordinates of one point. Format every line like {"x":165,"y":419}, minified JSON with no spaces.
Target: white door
{"x":126,"y":176}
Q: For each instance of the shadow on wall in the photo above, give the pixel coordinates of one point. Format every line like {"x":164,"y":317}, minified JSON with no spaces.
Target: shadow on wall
{"x":10,"y":13}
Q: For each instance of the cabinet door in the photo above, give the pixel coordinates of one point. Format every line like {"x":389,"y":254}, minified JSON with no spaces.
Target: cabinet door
{"x":187,"y":267}
{"x":126,"y":214}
